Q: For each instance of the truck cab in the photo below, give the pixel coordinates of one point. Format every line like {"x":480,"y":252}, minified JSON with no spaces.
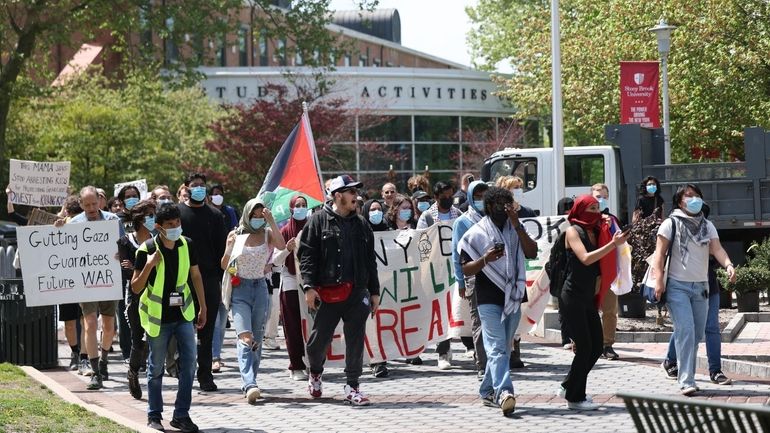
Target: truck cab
{"x":583,"y":167}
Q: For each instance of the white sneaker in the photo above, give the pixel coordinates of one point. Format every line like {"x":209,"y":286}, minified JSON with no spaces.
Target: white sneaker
{"x":354,"y":397}
{"x":252,"y":394}
{"x":298,"y":375}
{"x":315,"y":385}
{"x":444,"y":362}
{"x":470,"y":353}
{"x":270,"y":344}
{"x":689,"y":390}
{"x":507,"y":403}
{"x":567,"y":346}
{"x":583,"y":405}
{"x":562,"y":393}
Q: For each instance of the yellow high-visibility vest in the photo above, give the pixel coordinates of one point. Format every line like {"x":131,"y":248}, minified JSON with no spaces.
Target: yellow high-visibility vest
{"x":151,"y":301}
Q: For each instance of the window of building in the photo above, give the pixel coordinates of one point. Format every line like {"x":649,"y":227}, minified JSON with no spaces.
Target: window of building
{"x":171,"y":51}
{"x":262,"y":46}
{"x":583,"y":170}
{"x":221,"y":51}
{"x":363,"y":61}
{"x":385,"y":128}
{"x":280,"y":52}
{"x":348,"y":60}
{"x":436,"y":156}
{"x":436,"y":128}
{"x":379,"y":156}
{"x":376,"y":63}
{"x":298,"y":59}
{"x":243,"y":53}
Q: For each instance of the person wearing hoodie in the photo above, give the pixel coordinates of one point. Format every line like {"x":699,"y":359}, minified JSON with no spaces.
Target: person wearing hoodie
{"x":339,"y":271}
{"x":462,"y":224}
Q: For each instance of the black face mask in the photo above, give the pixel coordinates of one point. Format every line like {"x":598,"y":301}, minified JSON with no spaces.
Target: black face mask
{"x":498,"y":217}
{"x":445,"y":203}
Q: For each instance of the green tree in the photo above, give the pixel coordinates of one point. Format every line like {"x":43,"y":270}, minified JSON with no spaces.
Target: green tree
{"x":719,"y":72}
{"x":115,"y":132}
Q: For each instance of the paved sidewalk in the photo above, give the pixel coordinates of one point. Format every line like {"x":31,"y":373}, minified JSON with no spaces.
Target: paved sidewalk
{"x":413,"y":398}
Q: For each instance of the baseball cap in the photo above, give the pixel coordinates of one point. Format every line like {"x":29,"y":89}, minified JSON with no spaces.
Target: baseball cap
{"x":343,"y":182}
{"x":419,"y":194}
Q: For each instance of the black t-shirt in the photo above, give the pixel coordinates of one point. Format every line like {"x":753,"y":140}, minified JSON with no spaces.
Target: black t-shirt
{"x":171,"y":262}
{"x":648,"y":205}
{"x":205,"y":225}
{"x":486,"y":291}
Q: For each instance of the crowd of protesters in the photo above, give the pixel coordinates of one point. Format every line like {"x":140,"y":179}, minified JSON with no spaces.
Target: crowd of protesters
{"x":193,"y":265}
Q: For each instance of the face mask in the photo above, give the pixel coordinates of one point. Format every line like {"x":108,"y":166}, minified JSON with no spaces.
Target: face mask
{"x":518,"y":194}
{"x":445,"y":203}
{"x":499,"y":217}
{"x":149,"y":222}
{"x":174,"y":234}
{"x":198,"y":193}
{"x":131,"y":202}
{"x":299,"y":213}
{"x":602,"y":204}
{"x":652,"y":189}
{"x":591,"y":218}
{"x":217,"y":200}
{"x":478,"y":205}
{"x":423,"y":206}
{"x":257,"y":223}
{"x":375,"y":217}
{"x":164,"y":201}
{"x":404,"y":214}
{"x":694,"y":204}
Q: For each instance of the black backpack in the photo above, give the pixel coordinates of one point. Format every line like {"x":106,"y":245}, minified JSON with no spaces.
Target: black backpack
{"x":557,"y":266}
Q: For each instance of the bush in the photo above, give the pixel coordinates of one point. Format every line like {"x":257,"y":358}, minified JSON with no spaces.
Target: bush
{"x":747,"y":279}
{"x":759,"y":254}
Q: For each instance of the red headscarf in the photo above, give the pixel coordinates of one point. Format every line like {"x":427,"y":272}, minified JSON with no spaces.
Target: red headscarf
{"x":291,"y":230}
{"x":608,"y":265}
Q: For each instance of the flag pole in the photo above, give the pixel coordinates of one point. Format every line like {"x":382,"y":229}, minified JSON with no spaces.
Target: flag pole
{"x":304,"y":107}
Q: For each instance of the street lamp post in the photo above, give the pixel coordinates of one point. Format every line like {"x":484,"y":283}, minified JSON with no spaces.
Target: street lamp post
{"x":663,"y":33}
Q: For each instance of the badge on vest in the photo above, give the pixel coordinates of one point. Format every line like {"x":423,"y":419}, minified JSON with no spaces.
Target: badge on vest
{"x":175,"y":300}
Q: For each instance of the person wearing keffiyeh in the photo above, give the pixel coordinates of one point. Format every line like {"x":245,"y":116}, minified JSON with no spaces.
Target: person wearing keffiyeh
{"x":687,"y":285}
{"x":586,"y":248}
{"x":493,"y":257}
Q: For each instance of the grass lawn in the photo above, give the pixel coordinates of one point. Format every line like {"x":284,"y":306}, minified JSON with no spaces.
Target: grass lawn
{"x":28,"y":406}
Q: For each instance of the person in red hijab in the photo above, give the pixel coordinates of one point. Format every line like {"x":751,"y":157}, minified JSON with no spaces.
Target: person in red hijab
{"x":289,"y":297}
{"x":586,"y":247}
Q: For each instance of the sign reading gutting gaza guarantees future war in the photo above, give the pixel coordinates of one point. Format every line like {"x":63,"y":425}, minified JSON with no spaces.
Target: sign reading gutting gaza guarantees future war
{"x":72,"y":263}
{"x":419,"y":301}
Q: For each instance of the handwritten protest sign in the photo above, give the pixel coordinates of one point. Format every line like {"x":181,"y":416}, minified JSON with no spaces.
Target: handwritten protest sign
{"x":73,"y":263}
{"x":35,"y":183}
{"x":40,"y":217}
{"x":419,"y":300}
{"x":140,"y":184}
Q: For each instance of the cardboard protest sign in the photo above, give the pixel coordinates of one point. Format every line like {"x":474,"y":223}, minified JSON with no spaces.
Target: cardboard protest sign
{"x":140,"y":184}
{"x":419,"y":301}
{"x":41,"y":218}
{"x":73,"y":263}
{"x":41,"y":184}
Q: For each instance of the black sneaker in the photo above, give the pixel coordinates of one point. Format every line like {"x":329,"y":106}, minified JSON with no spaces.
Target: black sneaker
{"x":96,"y":382}
{"x":208,"y":387}
{"x":719,"y":378}
{"x":103,"y":370}
{"x":672,"y":371}
{"x":74,"y":361}
{"x":185,"y":425}
{"x":609,"y":353}
{"x":414,"y":361}
{"x":489,"y":400}
{"x":380,"y":369}
{"x":154,"y":423}
{"x":133,"y":385}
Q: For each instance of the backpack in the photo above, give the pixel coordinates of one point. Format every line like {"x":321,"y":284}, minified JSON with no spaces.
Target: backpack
{"x":557,"y":266}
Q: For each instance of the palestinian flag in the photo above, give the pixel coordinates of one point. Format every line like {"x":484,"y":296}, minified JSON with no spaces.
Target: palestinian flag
{"x":295,"y":170}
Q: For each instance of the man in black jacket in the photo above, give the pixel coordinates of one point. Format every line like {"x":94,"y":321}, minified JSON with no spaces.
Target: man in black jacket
{"x":339,"y":273}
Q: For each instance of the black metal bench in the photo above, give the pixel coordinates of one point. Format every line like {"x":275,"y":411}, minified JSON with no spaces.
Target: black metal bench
{"x":652,"y":413}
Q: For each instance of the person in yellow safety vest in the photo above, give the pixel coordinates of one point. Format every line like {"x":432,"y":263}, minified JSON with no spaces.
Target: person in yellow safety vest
{"x":161,"y":270}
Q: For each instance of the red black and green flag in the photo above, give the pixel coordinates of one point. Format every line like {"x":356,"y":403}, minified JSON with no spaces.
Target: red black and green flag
{"x":295,"y":170}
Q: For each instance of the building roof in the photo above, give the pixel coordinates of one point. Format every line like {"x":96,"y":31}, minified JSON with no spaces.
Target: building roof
{"x":380,"y":23}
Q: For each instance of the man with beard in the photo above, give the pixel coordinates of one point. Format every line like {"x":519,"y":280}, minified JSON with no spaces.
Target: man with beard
{"x":337,"y":262}
{"x":205,"y":225}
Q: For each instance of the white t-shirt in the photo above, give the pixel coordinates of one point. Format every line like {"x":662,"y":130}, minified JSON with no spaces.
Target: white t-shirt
{"x":698,"y":263}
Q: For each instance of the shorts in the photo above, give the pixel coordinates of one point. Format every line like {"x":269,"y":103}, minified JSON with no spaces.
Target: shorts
{"x":105,"y":308}
{"x":69,"y":312}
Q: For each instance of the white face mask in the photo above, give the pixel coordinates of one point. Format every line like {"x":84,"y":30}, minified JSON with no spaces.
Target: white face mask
{"x":217,"y":200}
{"x":518,"y":194}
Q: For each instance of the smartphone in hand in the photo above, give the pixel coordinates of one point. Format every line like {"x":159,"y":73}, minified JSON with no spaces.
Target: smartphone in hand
{"x":499,"y":246}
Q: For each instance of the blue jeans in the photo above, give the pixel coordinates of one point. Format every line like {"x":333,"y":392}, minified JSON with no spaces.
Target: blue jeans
{"x":184,"y":332}
{"x":713,"y":337}
{"x":249,"y":305}
{"x":688,"y":304}
{"x":497,"y":337}
{"x":219,"y":332}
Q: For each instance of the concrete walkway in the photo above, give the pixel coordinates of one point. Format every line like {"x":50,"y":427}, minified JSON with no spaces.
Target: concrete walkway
{"x":413,"y":398}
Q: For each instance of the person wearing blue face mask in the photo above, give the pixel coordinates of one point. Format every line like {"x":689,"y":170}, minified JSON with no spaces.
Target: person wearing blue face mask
{"x":142,"y":217}
{"x":129,"y":195}
{"x":686,"y":286}
{"x":650,"y":200}
{"x":400,"y":216}
{"x":245,"y":259}
{"x":205,"y":225}
{"x":461,"y":225}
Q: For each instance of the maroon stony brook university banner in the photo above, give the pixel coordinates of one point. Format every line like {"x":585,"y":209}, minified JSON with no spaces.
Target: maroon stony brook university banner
{"x":639,"y":94}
